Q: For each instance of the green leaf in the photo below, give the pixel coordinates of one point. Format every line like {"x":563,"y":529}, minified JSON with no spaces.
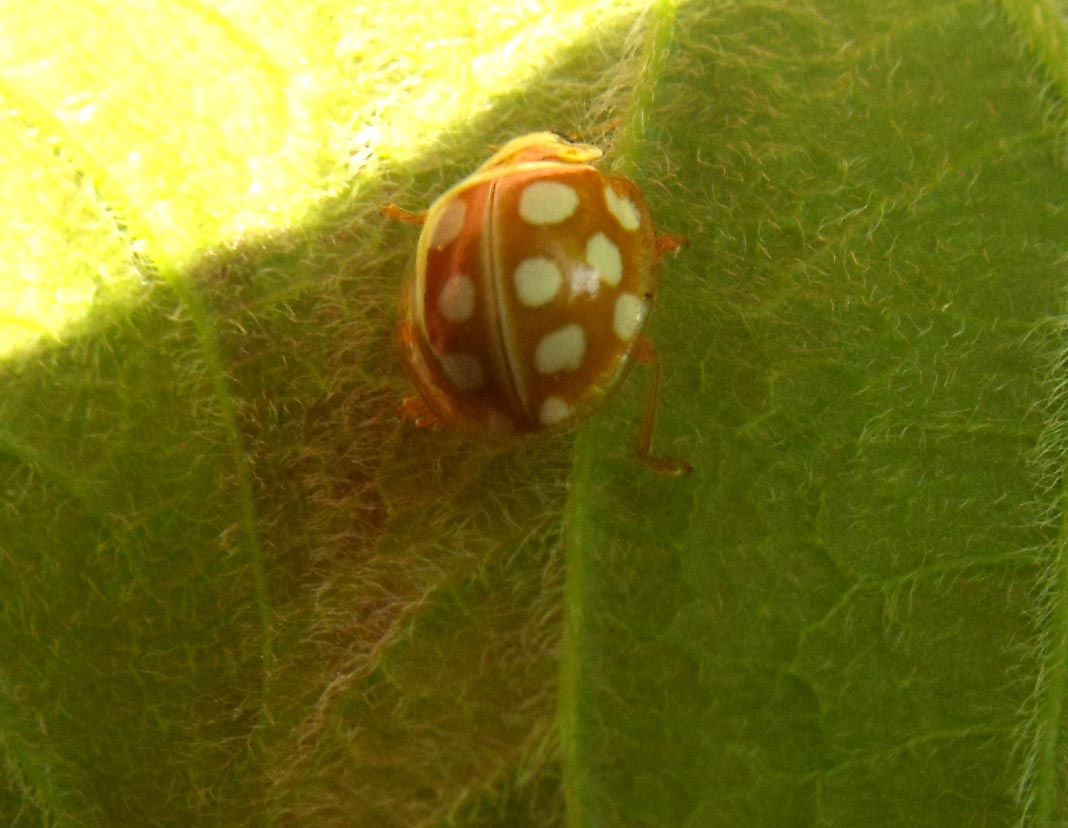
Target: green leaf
{"x":841,"y":619}
{"x":234,"y":589}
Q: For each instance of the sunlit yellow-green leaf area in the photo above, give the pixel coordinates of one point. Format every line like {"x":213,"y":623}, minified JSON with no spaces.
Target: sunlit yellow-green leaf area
{"x":138,"y":133}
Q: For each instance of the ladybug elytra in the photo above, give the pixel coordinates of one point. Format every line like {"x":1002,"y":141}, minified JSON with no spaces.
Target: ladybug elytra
{"x":533,"y":281}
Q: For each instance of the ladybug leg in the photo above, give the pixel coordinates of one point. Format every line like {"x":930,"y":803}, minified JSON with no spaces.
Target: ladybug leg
{"x":416,"y":411}
{"x":392,"y":211}
{"x":645,"y":352}
{"x":669,"y":243}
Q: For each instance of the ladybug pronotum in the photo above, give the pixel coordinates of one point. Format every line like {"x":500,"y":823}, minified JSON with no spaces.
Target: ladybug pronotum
{"x":533,"y":281}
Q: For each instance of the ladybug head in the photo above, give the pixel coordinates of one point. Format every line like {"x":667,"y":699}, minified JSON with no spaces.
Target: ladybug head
{"x":542,"y":146}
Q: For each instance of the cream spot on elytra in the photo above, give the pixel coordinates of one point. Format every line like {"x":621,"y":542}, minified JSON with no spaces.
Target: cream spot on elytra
{"x":554,"y":410}
{"x":604,"y":257}
{"x":547,"y":202}
{"x":562,"y":350}
{"x":629,"y":315}
{"x":456,"y":301}
{"x":463,"y":370}
{"x":622,"y":208}
{"x":448,"y":222}
{"x":537,"y":281}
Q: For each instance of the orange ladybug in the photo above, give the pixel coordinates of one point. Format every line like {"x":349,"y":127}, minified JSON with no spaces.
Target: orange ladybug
{"x":533,"y":281}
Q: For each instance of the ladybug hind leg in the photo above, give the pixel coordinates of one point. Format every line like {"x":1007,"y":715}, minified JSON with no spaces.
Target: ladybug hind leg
{"x":646,"y":353}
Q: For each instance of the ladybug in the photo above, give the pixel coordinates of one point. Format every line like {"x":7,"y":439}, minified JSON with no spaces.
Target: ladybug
{"x":533,"y":281}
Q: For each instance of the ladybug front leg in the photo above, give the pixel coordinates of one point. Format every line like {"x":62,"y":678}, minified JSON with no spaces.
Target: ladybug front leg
{"x":392,"y":211}
{"x":645,"y":352}
{"x":416,"y":411}
{"x":669,"y":243}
